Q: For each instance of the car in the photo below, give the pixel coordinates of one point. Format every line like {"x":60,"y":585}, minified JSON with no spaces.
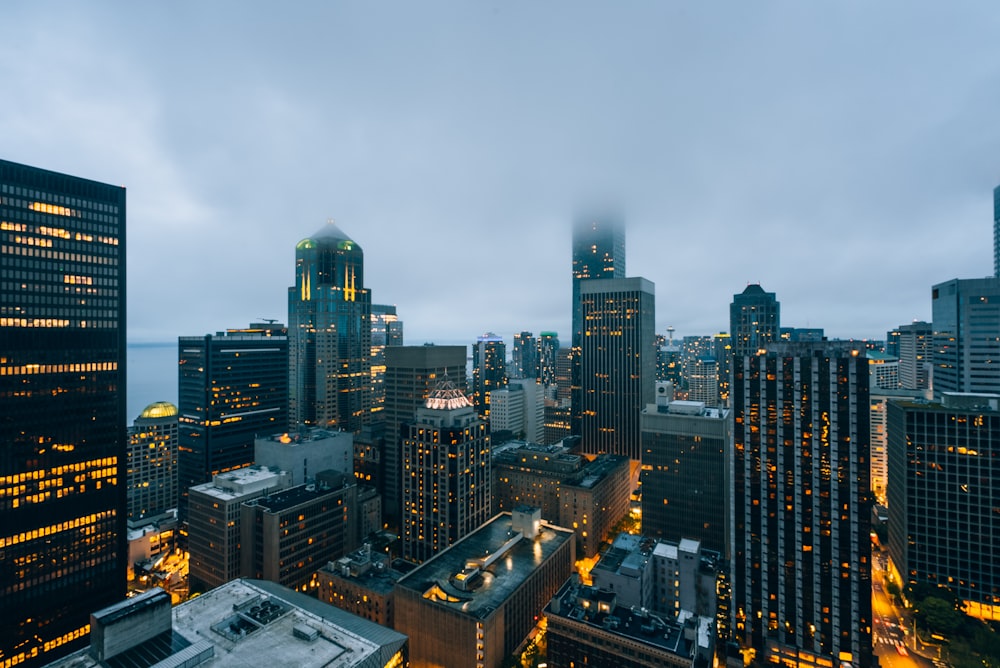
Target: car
{"x":902,"y":650}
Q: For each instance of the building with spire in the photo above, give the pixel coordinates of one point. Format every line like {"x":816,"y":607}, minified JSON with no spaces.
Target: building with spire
{"x":446,"y":473}
{"x":329,"y":334}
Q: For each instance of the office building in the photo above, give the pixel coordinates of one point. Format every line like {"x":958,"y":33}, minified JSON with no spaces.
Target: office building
{"x":878,"y":418}
{"x":702,"y":375}
{"x":525,"y":356}
{"x":548,"y":349}
{"x":489,"y":370}
{"x":231,"y":387}
{"x":518,"y":411}
{"x":883,"y":371}
{"x":754,"y":320}
{"x":361,"y":583}
{"x":241,"y":623}
{"x":944,"y":473}
{"x":914,"y":343}
{"x":801,"y":334}
{"x":329,"y":334}
{"x":685,"y":477}
{"x":598,"y":253}
{"x":411,"y":372}
{"x":62,"y":402}
{"x":801,"y":518}
{"x":152,"y":461}
{"x":996,"y":231}
{"x":287,"y":535}
{"x":446,"y":473}
{"x":557,"y":421}
{"x":594,"y":500}
{"x":214,"y":520}
{"x":966,"y":319}
{"x":618,"y":363}
{"x":387,"y":330}
{"x":306,"y":452}
{"x":529,"y":474}
{"x":723,"y":354}
{"x":475,"y":603}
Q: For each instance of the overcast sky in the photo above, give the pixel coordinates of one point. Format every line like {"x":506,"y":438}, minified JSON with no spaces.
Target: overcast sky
{"x":841,"y":154}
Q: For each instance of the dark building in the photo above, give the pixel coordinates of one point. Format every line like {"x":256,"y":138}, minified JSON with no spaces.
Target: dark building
{"x":754,"y":320}
{"x":63,"y":547}
{"x":489,"y":370}
{"x":685,"y":472}
{"x":618,"y":363}
{"x":411,"y":372}
{"x":525,"y":356}
{"x":387,"y":330}
{"x":944,"y":473}
{"x":152,"y":461}
{"x":802,"y":510}
{"x":329,"y":334}
{"x":548,"y":349}
{"x":231,"y":387}
{"x":598,"y":253}
{"x":966,"y":317}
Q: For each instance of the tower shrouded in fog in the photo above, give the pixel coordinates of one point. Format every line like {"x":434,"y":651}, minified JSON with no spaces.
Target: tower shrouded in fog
{"x":329,"y":333}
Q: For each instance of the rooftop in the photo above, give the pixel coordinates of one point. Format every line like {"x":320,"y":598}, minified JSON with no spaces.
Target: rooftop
{"x":505,"y":562}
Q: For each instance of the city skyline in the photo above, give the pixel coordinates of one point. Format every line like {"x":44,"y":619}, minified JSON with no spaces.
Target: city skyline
{"x":445,"y":136}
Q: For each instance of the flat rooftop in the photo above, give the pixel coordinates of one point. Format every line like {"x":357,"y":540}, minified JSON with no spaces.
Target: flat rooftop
{"x":435,"y":578}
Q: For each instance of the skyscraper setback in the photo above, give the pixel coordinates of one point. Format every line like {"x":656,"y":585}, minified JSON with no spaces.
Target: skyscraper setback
{"x":62,"y":409}
{"x":329,"y":333}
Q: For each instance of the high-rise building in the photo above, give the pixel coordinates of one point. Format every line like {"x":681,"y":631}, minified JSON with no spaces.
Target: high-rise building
{"x":62,"y":409}
{"x":411,"y":372}
{"x":914,"y":343}
{"x":724,"y":358}
{"x":329,"y":334}
{"x":152,"y":461}
{"x":548,"y":348}
{"x":525,"y":356}
{"x":966,"y":318}
{"x":489,"y":370}
{"x":387,"y":330}
{"x":598,"y":253}
{"x":883,"y":371}
{"x":996,"y":231}
{"x":231,"y":387}
{"x":518,"y":411}
{"x":944,"y":473}
{"x":618,"y":363}
{"x":754,"y":320}
{"x":702,"y":376}
{"x":446,"y":473}
{"x":801,"y":515}
{"x":685,"y":475}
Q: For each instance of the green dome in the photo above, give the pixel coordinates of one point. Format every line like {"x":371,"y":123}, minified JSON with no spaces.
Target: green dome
{"x":159,"y":409}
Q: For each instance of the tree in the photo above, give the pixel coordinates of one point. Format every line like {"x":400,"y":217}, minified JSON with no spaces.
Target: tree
{"x":938,"y":615}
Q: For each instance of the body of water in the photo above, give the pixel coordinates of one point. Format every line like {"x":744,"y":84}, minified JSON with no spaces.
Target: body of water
{"x":152,"y":375}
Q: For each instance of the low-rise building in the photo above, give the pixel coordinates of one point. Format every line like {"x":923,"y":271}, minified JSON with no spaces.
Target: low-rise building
{"x":361,"y":583}
{"x":595,"y":499}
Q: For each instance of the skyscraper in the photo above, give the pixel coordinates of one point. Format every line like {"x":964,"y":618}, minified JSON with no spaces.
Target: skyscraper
{"x":525,"y":356}
{"x":446,"y":473}
{"x":489,"y":370}
{"x":231,"y":387}
{"x":387,"y":330}
{"x":152,"y":461}
{"x":754,"y":320}
{"x":801,"y":515}
{"x":62,"y":409}
{"x":966,"y":346}
{"x":996,"y":231}
{"x":411,"y":372}
{"x":598,"y":253}
{"x":915,"y":350}
{"x":329,"y":333}
{"x":548,"y":350}
{"x":618,"y":363}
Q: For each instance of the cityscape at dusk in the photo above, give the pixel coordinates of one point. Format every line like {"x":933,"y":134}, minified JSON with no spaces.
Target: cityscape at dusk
{"x":500,"y":335}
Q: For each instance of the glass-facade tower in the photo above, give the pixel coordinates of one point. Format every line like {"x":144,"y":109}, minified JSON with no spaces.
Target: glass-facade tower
{"x":62,"y":409}
{"x":330,"y":334}
{"x":966,"y":339}
{"x":754,"y":320}
{"x":489,"y":370}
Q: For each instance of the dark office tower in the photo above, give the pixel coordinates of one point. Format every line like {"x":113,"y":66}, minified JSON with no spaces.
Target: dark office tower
{"x":892,"y":342}
{"x":231,"y":387}
{"x":966,"y":320}
{"x":754,"y":320}
{"x":723,"y":344}
{"x":489,"y":370}
{"x":618,"y":363}
{"x":446,"y":473}
{"x":152,"y":461}
{"x":329,"y":334}
{"x":525,"y":356}
{"x":944,"y":470}
{"x":62,"y":409}
{"x":387,"y":330}
{"x":411,"y":372}
{"x":598,"y":253}
{"x":548,"y":349}
{"x":564,"y":372}
{"x":915,"y":345}
{"x":801,"y":508}
{"x":685,"y":472}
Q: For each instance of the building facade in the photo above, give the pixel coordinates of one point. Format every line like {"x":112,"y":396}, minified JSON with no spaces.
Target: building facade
{"x":754,"y":320}
{"x":802,"y":516}
{"x":152,"y":461}
{"x":62,"y":409}
{"x":489,"y":370}
{"x":329,"y":333}
{"x":525,"y":356}
{"x":598,"y":253}
{"x":387,"y":330}
{"x":618,"y":363}
{"x":231,"y":387}
{"x":966,"y":319}
{"x":915,"y":348}
{"x":446,"y":474}
{"x":593,"y":500}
